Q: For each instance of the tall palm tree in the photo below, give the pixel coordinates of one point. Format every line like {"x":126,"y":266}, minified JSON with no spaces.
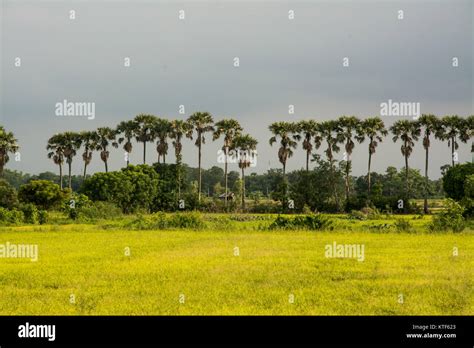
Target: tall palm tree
{"x":429,"y":124}
{"x":8,"y":144}
{"x":287,"y":132}
{"x":245,"y":145}
{"x":201,"y":123}
{"x":470,"y":128}
{"x":55,"y":147}
{"x":161,"y":131}
{"x":408,"y":132}
{"x":308,"y":129}
{"x":89,"y":141}
{"x":71,"y":143}
{"x":229,"y":128}
{"x":179,"y":128}
{"x":331,"y":133}
{"x":106,"y":138}
{"x":452,"y":129}
{"x":349,"y":125}
{"x":127,"y":130}
{"x":144,"y":131}
{"x":374,"y":130}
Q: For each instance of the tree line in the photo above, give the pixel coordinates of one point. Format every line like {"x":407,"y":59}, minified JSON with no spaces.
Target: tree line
{"x":333,"y":135}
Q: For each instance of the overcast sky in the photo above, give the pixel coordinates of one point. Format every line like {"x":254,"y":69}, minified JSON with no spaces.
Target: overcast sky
{"x":191,"y":62}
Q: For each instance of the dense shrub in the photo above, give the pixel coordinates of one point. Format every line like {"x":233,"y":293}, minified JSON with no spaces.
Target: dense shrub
{"x":10,"y":217}
{"x":8,"y":195}
{"x":30,"y":213}
{"x":403,"y":225}
{"x":310,"y":222}
{"x":133,"y":188}
{"x":162,"y":221}
{"x":42,"y":193}
{"x":43,"y":217}
{"x":451,"y":218}
{"x":455,"y":179}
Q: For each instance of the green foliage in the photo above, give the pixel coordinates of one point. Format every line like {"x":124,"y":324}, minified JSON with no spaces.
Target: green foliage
{"x":403,"y":225}
{"x":455,"y":179}
{"x":43,"y":217}
{"x":42,"y":193}
{"x":163,"y":221}
{"x":8,"y":195}
{"x":450,"y":219}
{"x":10,"y":217}
{"x":30,"y":213}
{"x":133,"y":188}
{"x":308,"y":222}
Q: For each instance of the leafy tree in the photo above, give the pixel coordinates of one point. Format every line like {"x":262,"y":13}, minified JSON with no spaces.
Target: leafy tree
{"x":42,"y":193}
{"x":229,"y":128}
{"x":161,"y":131}
{"x":8,"y":144}
{"x":201,"y":123}
{"x":452,"y":129}
{"x":455,"y":178}
{"x":8,"y":195}
{"x":179,"y":128}
{"x":71,"y":143}
{"x":287,"y":132}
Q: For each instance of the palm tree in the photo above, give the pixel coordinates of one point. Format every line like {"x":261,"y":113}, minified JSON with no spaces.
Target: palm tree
{"x":408,"y":132}
{"x":309,"y":129}
{"x":106,"y":137}
{"x":229,"y":128}
{"x":470,"y":128}
{"x":89,"y":140}
{"x":348,"y":125}
{"x":179,"y":128}
{"x":71,"y":143}
{"x":144,"y":131}
{"x":373,"y":129}
{"x":161,"y":131}
{"x":430,"y":125}
{"x":201,"y":122}
{"x":127,"y":130}
{"x":331,"y":133}
{"x":56,"y":152}
{"x":8,"y":144}
{"x":245,"y":145}
{"x":451,"y":129}
{"x":288,"y":133}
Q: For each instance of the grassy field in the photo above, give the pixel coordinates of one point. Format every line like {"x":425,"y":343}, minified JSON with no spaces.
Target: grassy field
{"x":188,"y":272}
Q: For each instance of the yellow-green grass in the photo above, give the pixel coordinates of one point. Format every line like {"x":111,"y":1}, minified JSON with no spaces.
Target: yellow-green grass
{"x":90,"y":263}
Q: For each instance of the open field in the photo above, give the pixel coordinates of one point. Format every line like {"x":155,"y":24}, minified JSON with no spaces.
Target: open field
{"x":90,"y":262}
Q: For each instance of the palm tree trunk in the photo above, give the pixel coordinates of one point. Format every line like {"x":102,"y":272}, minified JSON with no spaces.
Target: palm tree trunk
{"x":199,"y":166}
{"x":69,"y":174}
{"x":225,"y":175}
{"x":243,"y":189}
{"x":85,"y":171}
{"x":144,"y":152}
{"x":425,"y":203}
{"x":407,"y":194}
{"x":61,"y":176}
{"x":1,"y":171}
{"x":106,"y":166}
{"x":452,"y":152}
{"x":347,"y":179}
{"x":368,"y":175}
{"x":307,"y":161}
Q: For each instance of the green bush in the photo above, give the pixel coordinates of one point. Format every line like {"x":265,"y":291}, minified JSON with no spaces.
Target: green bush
{"x":450,"y":218}
{"x":163,"y":221}
{"x":30,"y":213}
{"x":309,"y":222}
{"x":403,"y":225}
{"x":8,"y":195}
{"x":43,"y":217}
{"x":455,"y":179}
{"x":42,"y":193}
{"x":10,"y":217}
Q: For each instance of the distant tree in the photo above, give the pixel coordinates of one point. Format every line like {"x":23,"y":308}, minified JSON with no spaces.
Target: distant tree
{"x":308,"y":130}
{"x":42,"y":193}
{"x":8,"y":195}
{"x":179,"y":129}
{"x":89,"y":141}
{"x":229,"y":128}
{"x":245,"y":146}
{"x":126,"y":130}
{"x":202,"y":123}
{"x":106,"y":138}
{"x":56,"y":153}
{"x":71,"y":143}
{"x":161,"y":131}
{"x":287,"y":132}
{"x":452,"y":129}
{"x":8,"y":144}
{"x":144,"y":131}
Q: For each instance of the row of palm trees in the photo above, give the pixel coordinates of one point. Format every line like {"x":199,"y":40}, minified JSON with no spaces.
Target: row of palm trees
{"x":145,"y":129}
{"x":347,"y":130}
